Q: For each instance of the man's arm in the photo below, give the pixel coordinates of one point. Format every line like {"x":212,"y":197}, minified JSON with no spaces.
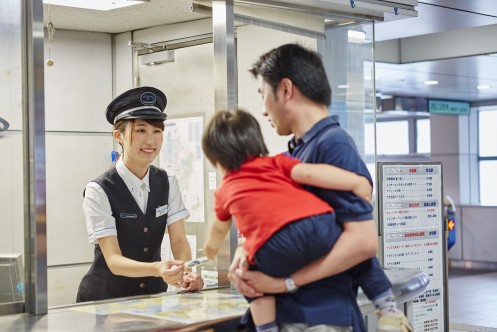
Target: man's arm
{"x":357,"y":243}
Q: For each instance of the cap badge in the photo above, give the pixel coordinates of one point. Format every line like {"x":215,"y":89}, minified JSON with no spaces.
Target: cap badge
{"x":147,"y":98}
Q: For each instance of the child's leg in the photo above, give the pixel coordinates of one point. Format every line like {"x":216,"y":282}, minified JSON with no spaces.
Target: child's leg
{"x":375,"y":284}
{"x":263,"y":311}
{"x":386,"y":303}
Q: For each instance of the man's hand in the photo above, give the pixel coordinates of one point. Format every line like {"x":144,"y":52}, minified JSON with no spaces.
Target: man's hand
{"x":238,"y":267}
{"x":262,"y":282}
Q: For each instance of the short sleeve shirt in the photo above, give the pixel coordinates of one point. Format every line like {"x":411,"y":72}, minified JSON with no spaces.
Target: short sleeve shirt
{"x":263,"y":198}
{"x":98,"y":212}
{"x":327,"y":143}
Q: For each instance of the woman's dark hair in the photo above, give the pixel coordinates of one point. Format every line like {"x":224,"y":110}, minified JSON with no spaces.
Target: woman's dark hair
{"x":232,"y":138}
{"x":300,"y":65}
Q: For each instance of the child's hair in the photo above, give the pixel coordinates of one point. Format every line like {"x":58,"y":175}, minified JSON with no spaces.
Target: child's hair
{"x":232,"y":138}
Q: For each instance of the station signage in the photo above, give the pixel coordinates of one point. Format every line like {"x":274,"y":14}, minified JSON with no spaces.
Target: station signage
{"x":449,"y":107}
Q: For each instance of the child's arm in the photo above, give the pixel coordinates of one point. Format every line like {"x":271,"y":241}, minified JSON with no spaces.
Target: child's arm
{"x":331,"y":177}
{"x":217,"y":232}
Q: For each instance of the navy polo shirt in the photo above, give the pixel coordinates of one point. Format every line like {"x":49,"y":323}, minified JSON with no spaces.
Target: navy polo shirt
{"x":327,"y":143}
{"x":331,"y":300}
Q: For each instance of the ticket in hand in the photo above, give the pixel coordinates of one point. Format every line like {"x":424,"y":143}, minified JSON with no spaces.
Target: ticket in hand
{"x":196,"y":261}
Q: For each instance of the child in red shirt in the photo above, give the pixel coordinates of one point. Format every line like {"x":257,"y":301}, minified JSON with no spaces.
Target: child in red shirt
{"x":285,"y":226}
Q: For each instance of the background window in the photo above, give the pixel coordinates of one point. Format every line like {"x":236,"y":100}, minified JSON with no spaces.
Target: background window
{"x":487,"y":156}
{"x":392,"y":137}
{"x":423,"y":138}
{"x":487,"y":135}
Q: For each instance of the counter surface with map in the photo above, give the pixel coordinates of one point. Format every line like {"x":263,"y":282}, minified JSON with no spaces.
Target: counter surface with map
{"x":218,"y":309}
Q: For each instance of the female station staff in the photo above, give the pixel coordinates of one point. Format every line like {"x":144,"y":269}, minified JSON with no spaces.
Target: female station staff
{"x":128,"y":208}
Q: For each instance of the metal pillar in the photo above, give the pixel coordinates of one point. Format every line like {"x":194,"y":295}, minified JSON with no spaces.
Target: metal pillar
{"x":34,"y":157}
{"x":225,"y":96}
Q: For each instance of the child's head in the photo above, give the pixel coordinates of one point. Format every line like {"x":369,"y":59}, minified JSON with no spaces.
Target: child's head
{"x":232,"y":138}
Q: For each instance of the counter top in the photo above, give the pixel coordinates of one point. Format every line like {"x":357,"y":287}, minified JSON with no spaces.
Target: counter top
{"x":208,"y":310}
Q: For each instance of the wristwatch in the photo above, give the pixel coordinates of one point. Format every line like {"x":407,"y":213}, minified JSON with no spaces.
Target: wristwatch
{"x":291,"y":287}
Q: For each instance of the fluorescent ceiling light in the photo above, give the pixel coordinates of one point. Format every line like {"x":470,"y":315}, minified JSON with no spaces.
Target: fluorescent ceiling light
{"x":342,"y":86}
{"x":483,"y":87}
{"x":431,"y":82}
{"x":93,"y":4}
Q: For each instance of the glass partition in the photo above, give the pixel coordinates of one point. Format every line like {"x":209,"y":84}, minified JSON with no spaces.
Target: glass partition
{"x":11,"y":165}
{"x":188,"y":74}
{"x":348,"y":53}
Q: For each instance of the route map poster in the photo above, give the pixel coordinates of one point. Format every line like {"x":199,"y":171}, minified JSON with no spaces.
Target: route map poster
{"x":181,"y":155}
{"x":411,"y":224}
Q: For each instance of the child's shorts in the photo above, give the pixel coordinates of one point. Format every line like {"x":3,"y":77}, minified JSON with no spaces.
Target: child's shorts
{"x":297,"y":244}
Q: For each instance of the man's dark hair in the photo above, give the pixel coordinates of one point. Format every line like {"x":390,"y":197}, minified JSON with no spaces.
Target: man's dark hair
{"x":232,"y":138}
{"x":302,"y":66}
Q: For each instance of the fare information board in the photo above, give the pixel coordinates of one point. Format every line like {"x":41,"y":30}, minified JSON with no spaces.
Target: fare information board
{"x":411,"y":217}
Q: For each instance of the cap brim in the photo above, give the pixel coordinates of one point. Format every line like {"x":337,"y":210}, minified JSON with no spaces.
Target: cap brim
{"x":143,"y":114}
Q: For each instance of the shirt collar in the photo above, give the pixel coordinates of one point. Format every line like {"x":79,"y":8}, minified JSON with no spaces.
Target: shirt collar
{"x":317,"y":128}
{"x":131,"y":180}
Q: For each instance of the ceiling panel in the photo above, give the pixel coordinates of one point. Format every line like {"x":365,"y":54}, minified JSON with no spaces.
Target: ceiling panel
{"x":484,"y":7}
{"x":145,"y":15}
{"x":433,"y":19}
{"x":458,"y":78}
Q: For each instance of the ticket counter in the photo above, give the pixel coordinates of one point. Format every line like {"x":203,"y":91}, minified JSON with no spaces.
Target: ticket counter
{"x":217,"y":309}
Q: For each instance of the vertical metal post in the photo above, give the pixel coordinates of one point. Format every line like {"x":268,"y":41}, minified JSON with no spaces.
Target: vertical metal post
{"x":225,"y":96}
{"x":34,"y":157}
{"x":224,"y":55}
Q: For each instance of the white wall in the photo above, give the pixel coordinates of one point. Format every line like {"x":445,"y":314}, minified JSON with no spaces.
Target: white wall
{"x":78,"y":88}
{"x":453,"y":142}
{"x":250,"y":45}
{"x":11,"y":152}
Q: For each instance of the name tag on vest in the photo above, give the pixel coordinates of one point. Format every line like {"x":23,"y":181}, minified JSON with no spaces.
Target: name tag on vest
{"x":128,"y":216}
{"x":160,"y":211}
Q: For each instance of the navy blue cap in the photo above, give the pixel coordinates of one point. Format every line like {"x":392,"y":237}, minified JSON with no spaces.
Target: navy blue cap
{"x":140,"y":103}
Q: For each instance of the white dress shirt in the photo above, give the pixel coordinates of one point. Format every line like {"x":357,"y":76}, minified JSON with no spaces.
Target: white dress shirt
{"x":96,"y":205}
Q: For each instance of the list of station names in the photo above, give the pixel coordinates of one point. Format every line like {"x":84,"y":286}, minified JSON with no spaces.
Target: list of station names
{"x":411,"y":200}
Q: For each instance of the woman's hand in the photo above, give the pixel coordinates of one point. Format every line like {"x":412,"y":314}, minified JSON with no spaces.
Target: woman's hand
{"x":172,"y":272}
{"x":192,"y":282}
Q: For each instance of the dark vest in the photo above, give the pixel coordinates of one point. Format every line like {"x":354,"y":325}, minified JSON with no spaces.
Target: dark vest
{"x":139,"y":236}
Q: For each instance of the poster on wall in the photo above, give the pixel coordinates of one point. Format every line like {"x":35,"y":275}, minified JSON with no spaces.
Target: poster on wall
{"x":181,"y":155}
{"x":411,"y":223}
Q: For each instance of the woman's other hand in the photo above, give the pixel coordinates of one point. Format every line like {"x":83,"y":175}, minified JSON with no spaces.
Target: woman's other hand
{"x":192,"y":282}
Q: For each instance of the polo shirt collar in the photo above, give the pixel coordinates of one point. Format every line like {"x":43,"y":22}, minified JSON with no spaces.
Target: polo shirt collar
{"x":131,"y":180}
{"x":316,"y":129}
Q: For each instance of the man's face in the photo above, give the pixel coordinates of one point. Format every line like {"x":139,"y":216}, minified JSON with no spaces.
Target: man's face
{"x":273,"y":106}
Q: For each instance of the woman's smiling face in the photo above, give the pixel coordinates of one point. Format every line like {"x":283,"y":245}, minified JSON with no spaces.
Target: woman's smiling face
{"x":141,"y":143}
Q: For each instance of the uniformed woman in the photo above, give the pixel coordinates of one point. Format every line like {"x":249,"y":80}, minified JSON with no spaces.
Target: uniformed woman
{"x":128,"y":208}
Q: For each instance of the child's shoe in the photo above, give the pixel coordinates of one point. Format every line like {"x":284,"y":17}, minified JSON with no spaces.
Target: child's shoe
{"x":393,"y":323}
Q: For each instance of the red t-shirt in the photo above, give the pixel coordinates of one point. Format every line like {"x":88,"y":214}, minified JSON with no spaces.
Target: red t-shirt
{"x":263,"y":198}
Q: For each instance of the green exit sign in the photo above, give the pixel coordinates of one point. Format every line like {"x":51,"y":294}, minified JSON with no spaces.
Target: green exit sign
{"x":448,"y":107}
